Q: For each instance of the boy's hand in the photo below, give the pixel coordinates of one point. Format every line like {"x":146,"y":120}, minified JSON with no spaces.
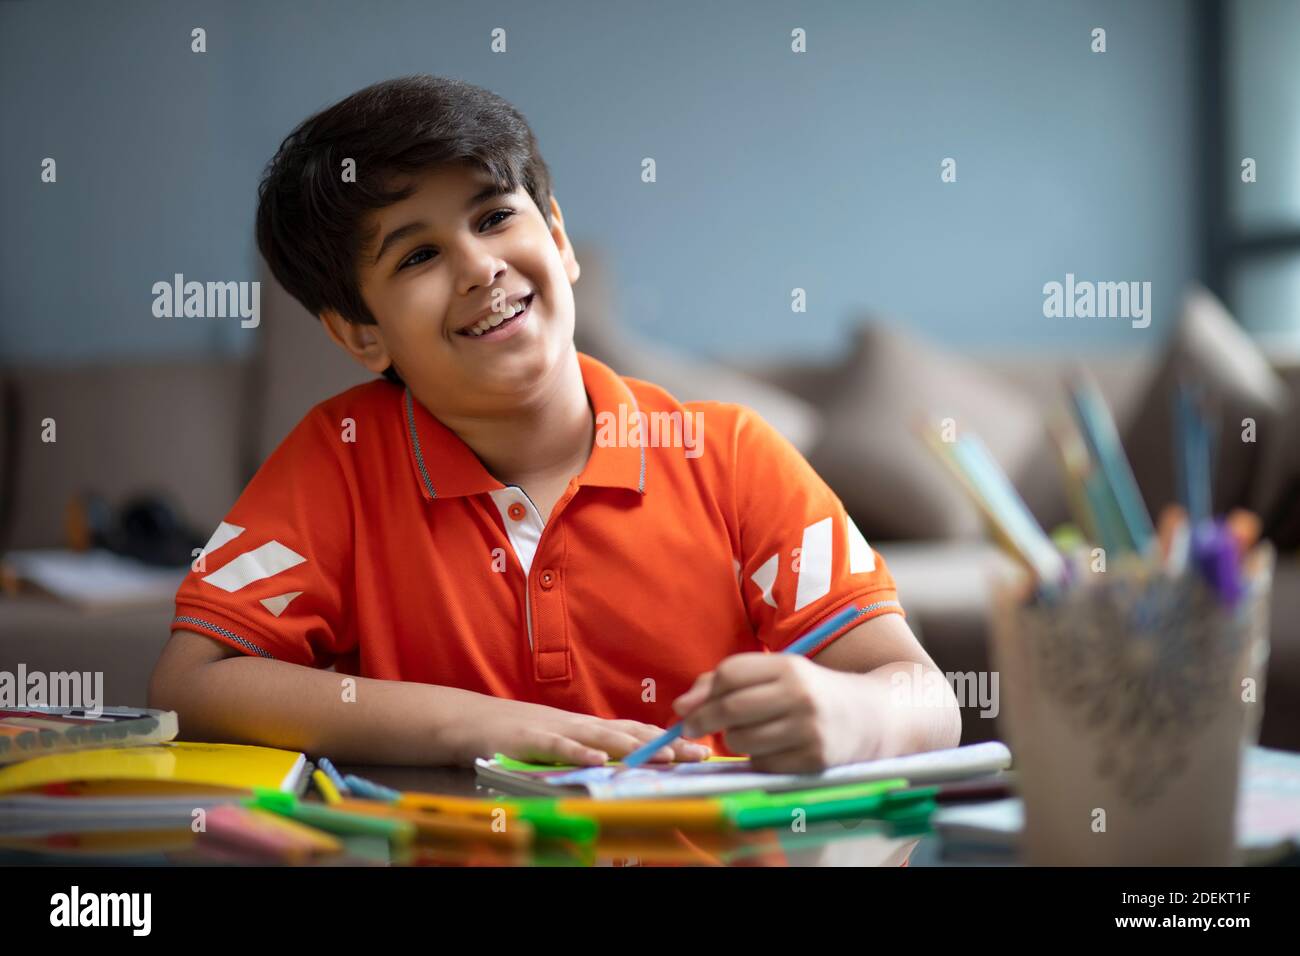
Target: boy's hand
{"x":790,"y":714}
{"x":540,"y":734}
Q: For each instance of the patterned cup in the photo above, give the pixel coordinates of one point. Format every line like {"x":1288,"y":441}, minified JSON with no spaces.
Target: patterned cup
{"x":1127,"y":704}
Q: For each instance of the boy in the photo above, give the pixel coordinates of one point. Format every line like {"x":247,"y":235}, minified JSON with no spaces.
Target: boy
{"x":487,"y":562}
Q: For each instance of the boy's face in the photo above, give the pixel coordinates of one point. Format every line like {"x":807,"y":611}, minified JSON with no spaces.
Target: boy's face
{"x":443,"y":259}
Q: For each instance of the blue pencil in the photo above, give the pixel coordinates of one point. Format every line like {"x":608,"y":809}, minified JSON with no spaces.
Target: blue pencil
{"x":369,"y":790}
{"x":802,"y":646}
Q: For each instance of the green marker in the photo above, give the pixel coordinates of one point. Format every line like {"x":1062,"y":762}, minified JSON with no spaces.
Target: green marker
{"x":552,"y":823}
{"x":328,"y":819}
{"x":753,"y":799}
{"x":757,"y":818}
{"x":884,"y":799}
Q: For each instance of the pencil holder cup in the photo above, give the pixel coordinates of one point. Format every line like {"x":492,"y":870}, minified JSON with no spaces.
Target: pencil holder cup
{"x":1127,"y":704}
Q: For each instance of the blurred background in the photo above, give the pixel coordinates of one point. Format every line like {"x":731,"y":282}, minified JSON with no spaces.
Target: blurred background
{"x":776,"y":171}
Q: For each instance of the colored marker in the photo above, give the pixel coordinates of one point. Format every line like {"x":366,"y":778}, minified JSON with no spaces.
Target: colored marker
{"x":317,"y":840}
{"x":1102,"y":438}
{"x":850,"y":791}
{"x":369,"y":790}
{"x":447,"y":826}
{"x":265,"y":834}
{"x":889,"y":806}
{"x":678,"y":814}
{"x":327,"y":818}
{"x":327,"y":767}
{"x":1003,"y":508}
{"x":546,"y":819}
{"x":1215,"y":554}
{"x":1245,"y":528}
{"x":328,"y":791}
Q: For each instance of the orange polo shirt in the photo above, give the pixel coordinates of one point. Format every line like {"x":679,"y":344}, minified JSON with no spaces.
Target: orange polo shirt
{"x":374,"y":540}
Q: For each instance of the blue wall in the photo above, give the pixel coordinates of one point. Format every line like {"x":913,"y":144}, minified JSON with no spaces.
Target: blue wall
{"x":775,"y":170}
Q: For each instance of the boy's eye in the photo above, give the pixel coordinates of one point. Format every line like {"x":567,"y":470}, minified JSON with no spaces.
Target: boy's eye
{"x":492,"y":220}
{"x":412,"y":259}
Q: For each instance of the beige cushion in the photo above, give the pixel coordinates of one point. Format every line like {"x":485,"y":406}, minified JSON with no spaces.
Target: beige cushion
{"x":171,"y":428}
{"x":9,"y":424}
{"x":122,"y":644}
{"x":873,"y":456}
{"x":1209,"y":348}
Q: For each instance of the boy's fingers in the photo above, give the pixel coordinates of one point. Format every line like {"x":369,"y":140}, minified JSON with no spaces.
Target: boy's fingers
{"x":733,"y":674}
{"x":699,"y":691}
{"x":549,"y":747}
{"x":741,"y":708}
{"x":771,"y":737}
{"x":648,"y":732}
{"x":644,"y":733}
{"x":679,"y":750}
{"x":676,"y":750}
{"x":743,"y":670}
{"x":585,"y":756}
{"x":616,"y":743}
{"x":689,"y":750}
{"x":689,"y":701}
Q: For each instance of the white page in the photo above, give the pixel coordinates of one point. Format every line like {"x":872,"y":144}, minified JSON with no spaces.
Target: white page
{"x":96,"y":576}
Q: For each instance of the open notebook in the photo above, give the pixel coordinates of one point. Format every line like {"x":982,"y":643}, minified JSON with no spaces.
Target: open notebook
{"x":720,"y":775}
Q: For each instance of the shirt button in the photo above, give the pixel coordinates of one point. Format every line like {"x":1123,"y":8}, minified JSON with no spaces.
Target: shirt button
{"x":516,"y":511}
{"x":548,"y":579}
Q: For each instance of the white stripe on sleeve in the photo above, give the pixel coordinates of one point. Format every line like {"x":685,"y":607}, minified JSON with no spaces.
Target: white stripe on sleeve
{"x":814,"y":563}
{"x":264,"y":562}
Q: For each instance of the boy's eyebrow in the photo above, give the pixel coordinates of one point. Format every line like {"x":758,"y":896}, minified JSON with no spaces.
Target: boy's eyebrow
{"x":491,"y":190}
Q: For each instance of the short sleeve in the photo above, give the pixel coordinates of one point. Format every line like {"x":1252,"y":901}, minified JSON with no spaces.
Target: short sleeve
{"x":803,"y":560}
{"x":272,"y":579}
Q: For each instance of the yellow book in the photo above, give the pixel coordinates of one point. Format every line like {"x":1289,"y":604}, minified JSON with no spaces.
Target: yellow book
{"x":108,"y":843}
{"x":172,"y":767}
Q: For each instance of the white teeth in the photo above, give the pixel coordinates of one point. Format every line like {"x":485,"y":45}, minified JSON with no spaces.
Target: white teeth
{"x":496,"y":318}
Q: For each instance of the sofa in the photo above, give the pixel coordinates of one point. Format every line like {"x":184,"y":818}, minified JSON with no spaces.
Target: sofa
{"x":194,"y":431}
{"x":946,"y":583}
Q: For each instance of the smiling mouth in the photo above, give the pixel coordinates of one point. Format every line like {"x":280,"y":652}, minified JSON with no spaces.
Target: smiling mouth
{"x":495,"y":330}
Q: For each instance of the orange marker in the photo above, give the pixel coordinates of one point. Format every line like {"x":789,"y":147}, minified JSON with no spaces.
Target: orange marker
{"x":1245,"y":527}
{"x":679,"y":814}
{"x":688,"y":814}
{"x":450,"y":826}
{"x":464,"y":806}
{"x":1172,"y":519}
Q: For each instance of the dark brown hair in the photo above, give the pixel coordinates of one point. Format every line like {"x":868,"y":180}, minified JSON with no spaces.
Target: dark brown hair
{"x":309,"y":219}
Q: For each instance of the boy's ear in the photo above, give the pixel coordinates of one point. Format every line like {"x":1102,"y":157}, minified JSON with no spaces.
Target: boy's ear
{"x":571,"y":266}
{"x":365,"y":343}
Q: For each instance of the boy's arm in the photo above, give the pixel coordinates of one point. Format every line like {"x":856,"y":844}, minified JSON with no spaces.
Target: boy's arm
{"x":894,"y":668}
{"x":871,"y":690}
{"x":223,"y":695}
